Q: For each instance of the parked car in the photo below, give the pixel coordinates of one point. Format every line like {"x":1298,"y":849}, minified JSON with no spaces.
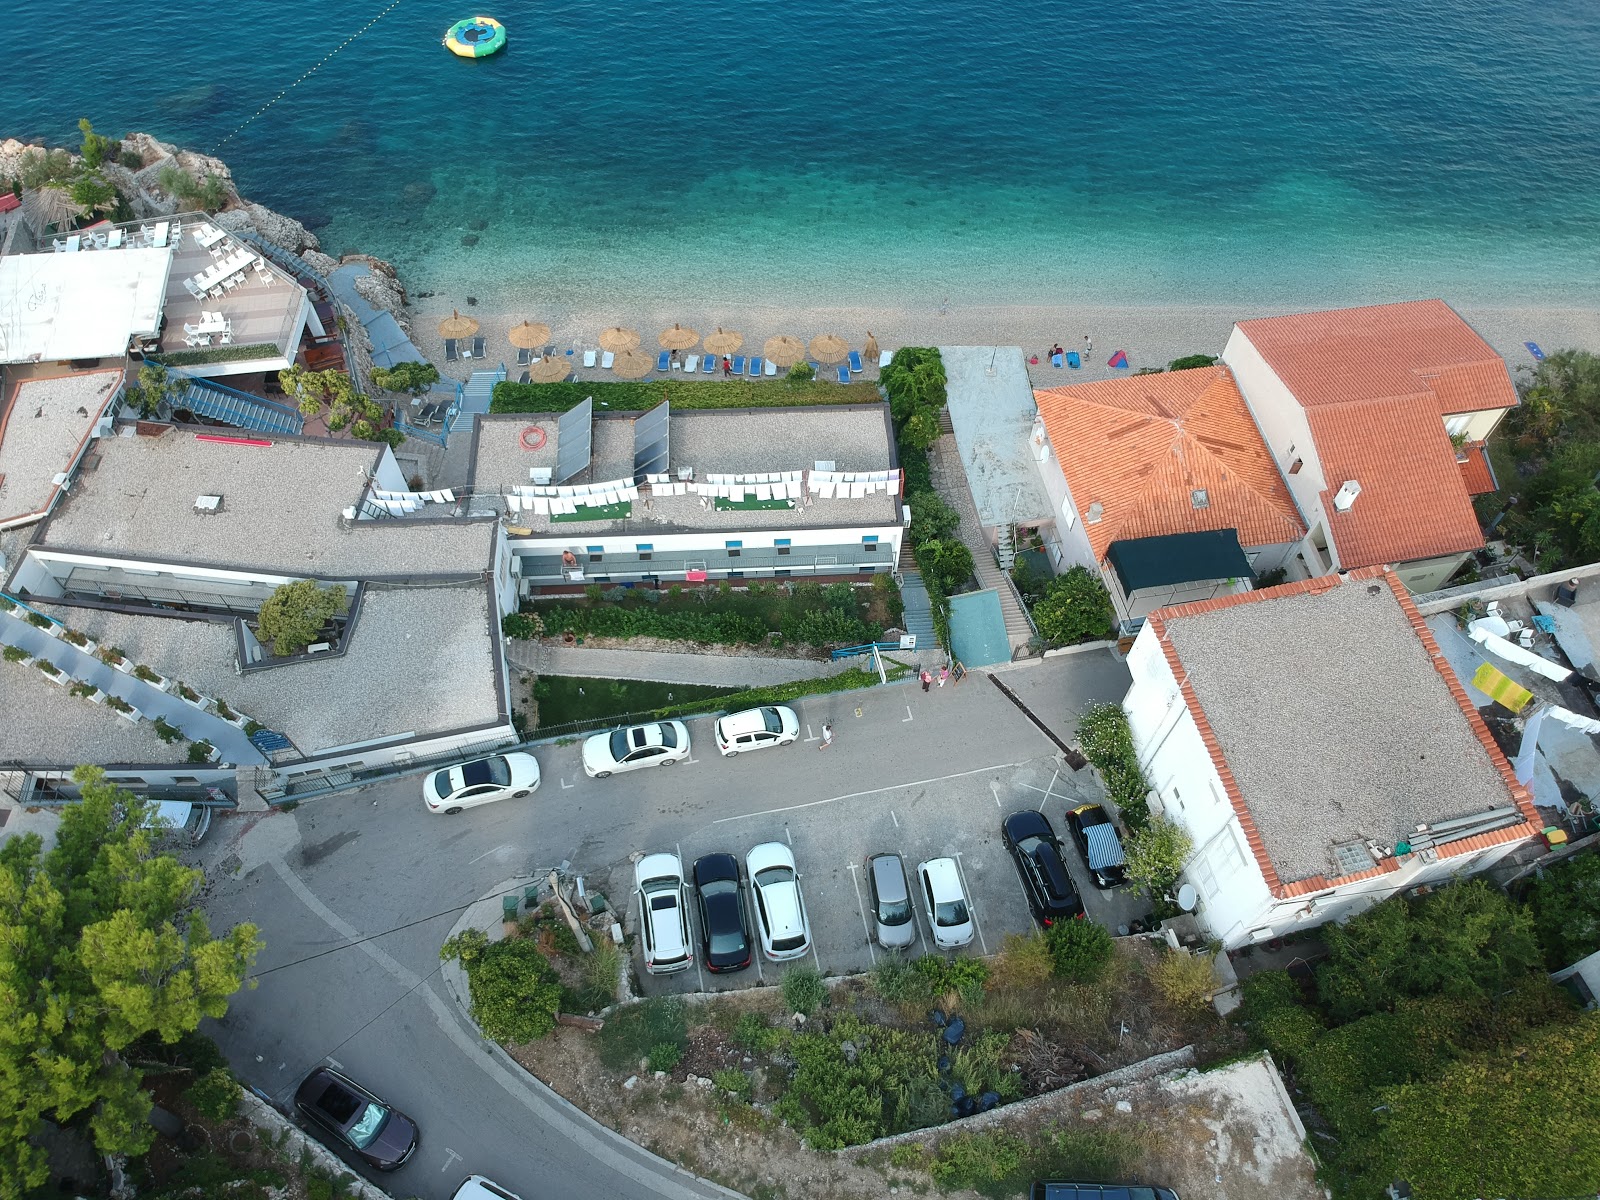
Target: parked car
{"x":893,"y":922}
{"x":725,"y":938}
{"x":1102,"y":849}
{"x":1054,"y":1190}
{"x":481,"y":781}
{"x":663,"y":914}
{"x":756,"y":729}
{"x":780,"y":909}
{"x":949,"y":913}
{"x":380,"y":1133}
{"x":1037,"y":852}
{"x":476,"y":1187}
{"x":658,"y":744}
{"x":185,"y":820}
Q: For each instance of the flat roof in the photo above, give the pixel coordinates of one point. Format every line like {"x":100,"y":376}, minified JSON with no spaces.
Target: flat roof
{"x":264,"y":309}
{"x":43,"y":428}
{"x":55,"y":307}
{"x":992,"y":415}
{"x":421,"y":661}
{"x":720,"y":441}
{"x":280,"y":513}
{"x":42,"y":723}
{"x":1334,"y":717}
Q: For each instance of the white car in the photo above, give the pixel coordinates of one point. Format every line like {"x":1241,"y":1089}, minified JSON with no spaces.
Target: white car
{"x":663,"y":913}
{"x":780,"y":909}
{"x":756,"y":729}
{"x":481,"y":781}
{"x":948,"y":910}
{"x":476,"y":1187}
{"x":659,"y":744}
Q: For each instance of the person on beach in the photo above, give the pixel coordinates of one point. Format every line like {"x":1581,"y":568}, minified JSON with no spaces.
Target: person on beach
{"x":927,"y":678}
{"x":1056,"y":349}
{"x":944,"y":673}
{"x":1088,"y":346}
{"x":727,"y":368}
{"x":672,"y":360}
{"x":827,"y":737}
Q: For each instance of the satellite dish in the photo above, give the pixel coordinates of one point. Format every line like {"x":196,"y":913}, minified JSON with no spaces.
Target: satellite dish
{"x":1187,"y":898}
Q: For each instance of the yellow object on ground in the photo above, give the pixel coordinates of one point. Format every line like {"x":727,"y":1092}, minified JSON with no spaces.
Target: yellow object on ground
{"x":1501,"y":688}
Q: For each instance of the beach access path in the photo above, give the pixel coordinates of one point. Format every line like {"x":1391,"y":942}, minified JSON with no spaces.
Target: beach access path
{"x":710,"y":670}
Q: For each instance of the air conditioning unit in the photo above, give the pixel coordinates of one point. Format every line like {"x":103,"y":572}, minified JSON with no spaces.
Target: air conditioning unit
{"x":62,"y":480}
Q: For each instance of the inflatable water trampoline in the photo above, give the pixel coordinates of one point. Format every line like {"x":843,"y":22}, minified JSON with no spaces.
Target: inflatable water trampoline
{"x":476,"y":37}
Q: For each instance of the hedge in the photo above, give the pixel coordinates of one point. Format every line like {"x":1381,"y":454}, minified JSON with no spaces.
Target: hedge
{"x":624,"y":396}
{"x":707,"y":628}
{"x":845,"y":681}
{"x":1107,"y":742}
{"x":216,"y":354}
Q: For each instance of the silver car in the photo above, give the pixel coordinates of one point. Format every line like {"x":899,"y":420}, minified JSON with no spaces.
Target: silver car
{"x":892,"y":923}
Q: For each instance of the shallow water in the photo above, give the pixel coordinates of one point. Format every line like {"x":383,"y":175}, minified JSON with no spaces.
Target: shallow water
{"x":1237,"y":151}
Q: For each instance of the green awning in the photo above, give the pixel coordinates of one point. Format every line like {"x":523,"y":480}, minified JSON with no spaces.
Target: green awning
{"x":1178,"y":558}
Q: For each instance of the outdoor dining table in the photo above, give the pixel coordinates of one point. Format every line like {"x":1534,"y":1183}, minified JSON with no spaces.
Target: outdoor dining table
{"x":210,"y":235}
{"x":211,"y":322}
{"x":217,"y":272}
{"x":159,"y":238}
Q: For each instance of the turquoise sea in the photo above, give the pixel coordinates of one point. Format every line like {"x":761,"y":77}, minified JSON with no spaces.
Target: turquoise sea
{"x":878,"y":153}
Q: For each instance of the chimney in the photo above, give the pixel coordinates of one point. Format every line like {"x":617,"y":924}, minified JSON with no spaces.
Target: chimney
{"x":1346,"y":496}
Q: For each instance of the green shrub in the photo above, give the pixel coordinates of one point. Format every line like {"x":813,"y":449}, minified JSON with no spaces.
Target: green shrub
{"x":15,"y":654}
{"x":522,"y":626}
{"x":515,"y":991}
{"x":1097,"y":1155}
{"x":706,"y":628}
{"x":1107,"y":742}
{"x":167,"y":733}
{"x":921,"y":429}
{"x":634,"y":1032}
{"x":1184,"y":980}
{"x":215,"y":1095}
{"x":628,"y":396}
{"x":803,"y":990}
{"x":801,"y":372}
{"x":738,"y":1083}
{"x":782,"y":693}
{"x":880,"y":1085}
{"x":202,"y":355}
{"x":1565,"y":903}
{"x":1081,"y":950}
{"x":908,"y":1155}
{"x":931,"y":518}
{"x":1190,"y":361}
{"x":754,"y":1033}
{"x":295,"y":614}
{"x":601,"y":970}
{"x":1156,"y":855}
{"x":1075,"y":608}
{"x":979,"y":1161}
{"x":200,"y":751}
{"x":664,"y":1056}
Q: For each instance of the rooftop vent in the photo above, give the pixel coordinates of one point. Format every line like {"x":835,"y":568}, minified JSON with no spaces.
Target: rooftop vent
{"x":62,"y":480}
{"x":1199,"y":499}
{"x":208,"y":504}
{"x":1096,"y":511}
{"x":1346,"y":496}
{"x":1351,"y":858}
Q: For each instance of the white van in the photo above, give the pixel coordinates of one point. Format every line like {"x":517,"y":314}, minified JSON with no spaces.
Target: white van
{"x":757,"y":728}
{"x":181,"y":818}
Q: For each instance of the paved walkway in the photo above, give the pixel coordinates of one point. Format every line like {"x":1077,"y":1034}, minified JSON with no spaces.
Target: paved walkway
{"x":950,"y":479}
{"x":713,"y":670}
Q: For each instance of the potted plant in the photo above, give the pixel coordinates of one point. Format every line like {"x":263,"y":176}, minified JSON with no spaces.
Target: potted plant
{"x":189,"y":696}
{"x":113,"y":656}
{"x":15,"y":654}
{"x":51,"y":671}
{"x":123,"y":709}
{"x":40,"y":621}
{"x":7,"y":604}
{"x":79,"y":640}
{"x":220,"y":707}
{"x":145,"y":673}
{"x":203,"y":751}
{"x":89,"y":692}
{"x":166,"y":731}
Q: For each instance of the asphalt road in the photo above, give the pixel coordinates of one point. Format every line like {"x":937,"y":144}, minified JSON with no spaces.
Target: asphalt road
{"x":354,"y":893}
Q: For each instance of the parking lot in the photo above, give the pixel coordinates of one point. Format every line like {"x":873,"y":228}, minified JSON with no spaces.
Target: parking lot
{"x":956,"y":816}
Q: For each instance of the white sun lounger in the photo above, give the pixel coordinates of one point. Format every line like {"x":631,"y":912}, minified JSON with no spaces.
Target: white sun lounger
{"x":691,"y":364}
{"x":771,"y":368}
{"x":588,"y":358}
{"x":885,"y":358}
{"x":607,"y":359}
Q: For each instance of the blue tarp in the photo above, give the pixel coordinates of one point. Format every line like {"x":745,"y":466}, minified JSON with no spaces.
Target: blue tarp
{"x":1105,"y":850}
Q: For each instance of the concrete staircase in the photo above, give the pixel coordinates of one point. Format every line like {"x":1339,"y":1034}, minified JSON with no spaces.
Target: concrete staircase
{"x":918,"y":617}
{"x":950,"y":480}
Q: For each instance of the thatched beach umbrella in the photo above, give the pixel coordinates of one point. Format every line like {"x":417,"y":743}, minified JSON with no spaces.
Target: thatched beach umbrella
{"x":870,"y":351}
{"x":618,"y":339}
{"x":45,"y":207}
{"x":679,"y":337}
{"x":457,"y":326}
{"x":549,"y":370}
{"x":784,"y":350}
{"x":723,"y":341}
{"x":530,"y":335}
{"x":633,"y":364}
{"x":829,"y":348}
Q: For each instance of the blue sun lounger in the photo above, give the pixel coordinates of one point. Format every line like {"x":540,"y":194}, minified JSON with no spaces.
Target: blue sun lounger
{"x":1073,"y":360}
{"x":754,"y":367}
{"x":855,"y":360}
{"x":664,"y":360}
{"x":1056,"y":360}
{"x":710,"y":365}
{"x":738,"y":364}
{"x":844,"y":374}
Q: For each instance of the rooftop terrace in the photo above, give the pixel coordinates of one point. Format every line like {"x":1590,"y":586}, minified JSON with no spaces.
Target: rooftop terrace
{"x":41,"y":723}
{"x":45,"y":419}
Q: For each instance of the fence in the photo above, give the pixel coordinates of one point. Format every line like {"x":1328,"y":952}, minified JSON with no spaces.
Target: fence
{"x":318,"y":781}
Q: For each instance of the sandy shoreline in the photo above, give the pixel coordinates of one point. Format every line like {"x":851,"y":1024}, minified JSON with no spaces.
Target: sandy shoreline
{"x":1151,"y":335}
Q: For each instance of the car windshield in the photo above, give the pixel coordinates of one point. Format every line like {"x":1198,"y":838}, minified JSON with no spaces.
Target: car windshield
{"x":619,"y":745}
{"x":769,"y":717}
{"x":366,"y":1129}
{"x":774,"y":875}
{"x":951,"y":912}
{"x":488,"y":770}
{"x":722,"y":909}
{"x":894,"y":912}
{"x":669,"y":736}
{"x":442,"y":784}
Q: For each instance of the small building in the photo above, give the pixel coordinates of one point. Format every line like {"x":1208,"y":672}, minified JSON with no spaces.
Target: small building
{"x":690,"y":496}
{"x":1162,"y":484}
{"x":1377,"y":418}
{"x":1314,"y":743}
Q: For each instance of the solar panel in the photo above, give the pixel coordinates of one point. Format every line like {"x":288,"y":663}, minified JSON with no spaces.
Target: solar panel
{"x":574,"y":440}
{"x":650,"y":442}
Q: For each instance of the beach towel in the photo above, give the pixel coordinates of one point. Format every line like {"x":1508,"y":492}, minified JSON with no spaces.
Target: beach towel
{"x":1056,"y":360}
{"x":1073,"y":360}
{"x":1119,"y":360}
{"x":1533,"y":349}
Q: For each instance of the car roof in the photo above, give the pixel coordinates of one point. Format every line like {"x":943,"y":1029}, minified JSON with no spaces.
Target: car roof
{"x":1027,"y":823}
{"x":710,"y":868}
{"x":657,"y":866}
{"x":1091,"y":814}
{"x":769,"y":854}
{"x":889,"y":877}
{"x":942,"y":873}
{"x":1055,"y":871}
{"x":476,"y":1187}
{"x":748,"y":721}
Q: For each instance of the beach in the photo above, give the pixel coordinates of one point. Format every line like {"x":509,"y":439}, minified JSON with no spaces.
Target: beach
{"x":1151,"y":335}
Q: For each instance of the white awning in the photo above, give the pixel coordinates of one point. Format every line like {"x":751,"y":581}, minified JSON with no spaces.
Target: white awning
{"x":85,"y":305}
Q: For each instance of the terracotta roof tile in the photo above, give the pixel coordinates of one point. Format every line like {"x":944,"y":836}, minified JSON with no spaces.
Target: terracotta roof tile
{"x":1141,"y":446}
{"x":1476,"y":470}
{"x":1419,"y":348}
{"x":1413,"y":503}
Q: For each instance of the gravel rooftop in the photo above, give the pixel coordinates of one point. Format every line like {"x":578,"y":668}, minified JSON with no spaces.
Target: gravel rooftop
{"x":48,"y":421}
{"x":421,"y":662}
{"x":712,"y":441}
{"x":1334,"y":721}
{"x":40,"y":722}
{"x":281,"y":506}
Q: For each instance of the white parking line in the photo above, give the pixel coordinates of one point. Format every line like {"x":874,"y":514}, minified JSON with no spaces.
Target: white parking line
{"x":811,"y":737}
{"x":492,"y":850}
{"x":871,"y":792}
{"x":909,"y":716}
{"x":335,"y":1063}
{"x":863,"y":911}
{"x":1050,"y":792}
{"x":972,"y":904}
{"x":994,"y":788}
{"x":894,"y":818}
{"x":450,"y":1156}
{"x":565,"y":784}
{"x":689,"y":921}
{"x":786,"y":836}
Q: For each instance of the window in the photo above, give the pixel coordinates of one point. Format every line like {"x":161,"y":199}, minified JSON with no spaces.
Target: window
{"x":644,"y":550}
{"x":783,"y":550}
{"x":596,"y":553}
{"x":782,"y":571}
{"x":1457,"y":425}
{"x":1067,"y":515}
{"x":782,"y":545}
{"x":735,"y":574}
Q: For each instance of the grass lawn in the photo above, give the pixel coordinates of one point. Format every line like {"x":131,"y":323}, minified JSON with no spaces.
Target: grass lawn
{"x":565,"y":698}
{"x":611,"y":512}
{"x":749,"y":504}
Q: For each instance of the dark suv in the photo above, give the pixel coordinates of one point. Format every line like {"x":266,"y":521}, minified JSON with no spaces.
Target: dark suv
{"x":1037,"y":853}
{"x":1053,"y":1190}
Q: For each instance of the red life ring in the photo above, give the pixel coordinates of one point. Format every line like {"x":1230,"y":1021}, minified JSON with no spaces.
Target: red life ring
{"x":533,"y":438}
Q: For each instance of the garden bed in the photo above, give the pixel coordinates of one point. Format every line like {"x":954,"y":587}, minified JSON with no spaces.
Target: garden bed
{"x":563,"y":699}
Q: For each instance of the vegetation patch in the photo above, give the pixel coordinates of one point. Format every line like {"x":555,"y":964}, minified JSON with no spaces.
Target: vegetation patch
{"x":515,"y":991}
{"x":620,"y":511}
{"x":202,"y":355}
{"x":1069,"y":608}
{"x":564,"y":699}
{"x":1107,"y":742}
{"x":627,"y":396}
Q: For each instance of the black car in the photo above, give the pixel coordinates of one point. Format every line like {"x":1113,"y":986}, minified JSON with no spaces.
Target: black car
{"x":380,"y":1133}
{"x":1102,"y":849}
{"x":1037,"y":853}
{"x":725,"y":938}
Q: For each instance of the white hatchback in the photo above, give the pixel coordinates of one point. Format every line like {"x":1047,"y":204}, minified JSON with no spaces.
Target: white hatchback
{"x":949,"y":912}
{"x":780,"y":908}
{"x":481,"y":781}
{"x":663,"y":913}
{"x":756,"y":729}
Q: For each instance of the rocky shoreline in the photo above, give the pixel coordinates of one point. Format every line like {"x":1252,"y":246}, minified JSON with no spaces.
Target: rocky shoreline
{"x":142,"y":188}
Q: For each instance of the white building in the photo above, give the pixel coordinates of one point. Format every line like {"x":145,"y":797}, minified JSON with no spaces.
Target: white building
{"x":1377,"y":418}
{"x":1316,"y":746}
{"x":697,"y":495}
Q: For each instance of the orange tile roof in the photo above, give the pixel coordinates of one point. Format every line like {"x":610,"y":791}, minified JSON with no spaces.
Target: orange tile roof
{"x":1520,"y":798}
{"x":1413,"y":503}
{"x":1141,"y":445}
{"x":1421,"y":348}
{"x":1476,"y":471}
